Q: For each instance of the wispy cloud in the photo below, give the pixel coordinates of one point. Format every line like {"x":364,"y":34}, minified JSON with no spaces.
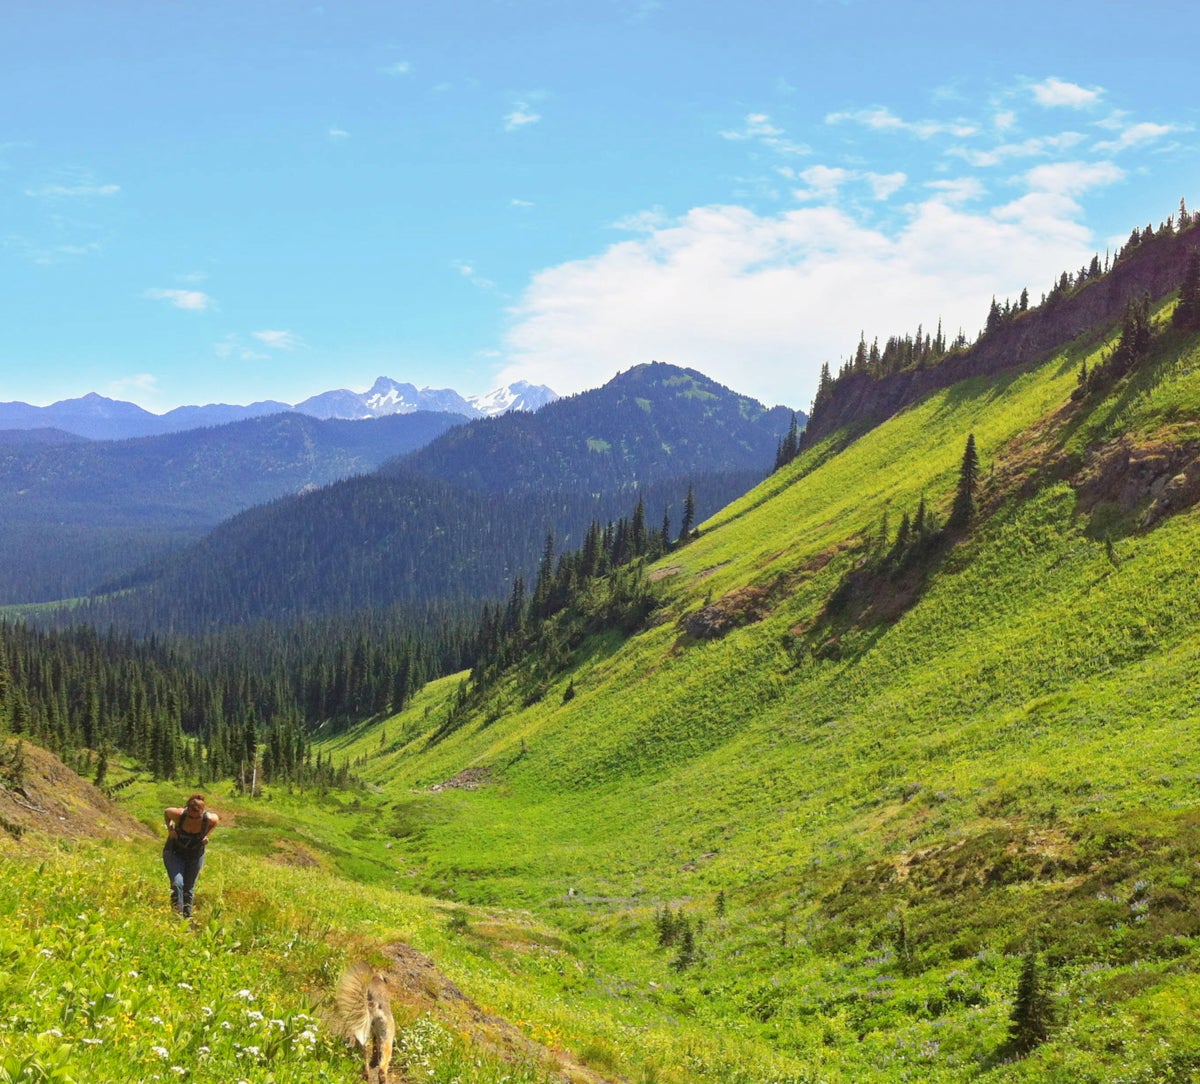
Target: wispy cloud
{"x":522,"y":203}
{"x":191,"y":300}
{"x":1058,"y":92}
{"x":400,"y":67}
{"x":73,"y":191}
{"x":278,"y":339}
{"x":469,"y":272}
{"x":758,"y":128}
{"x":1134,"y":135}
{"x":1034,"y":147}
{"x":338,"y":133}
{"x":882,"y":119}
{"x":232,"y":346}
{"x":823,"y":183}
{"x":522,"y":116}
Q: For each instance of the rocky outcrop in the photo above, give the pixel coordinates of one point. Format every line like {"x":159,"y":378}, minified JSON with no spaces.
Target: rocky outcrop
{"x":862,"y":400}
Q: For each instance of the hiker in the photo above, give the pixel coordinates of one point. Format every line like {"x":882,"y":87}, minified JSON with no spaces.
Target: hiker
{"x":188,"y":830}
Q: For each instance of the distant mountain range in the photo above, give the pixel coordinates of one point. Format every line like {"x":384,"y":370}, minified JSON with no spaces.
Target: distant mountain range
{"x":454,"y":521}
{"x":99,"y":418}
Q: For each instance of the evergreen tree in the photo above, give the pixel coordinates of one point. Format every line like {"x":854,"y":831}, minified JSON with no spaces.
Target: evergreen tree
{"x":1187,"y":312}
{"x":1029,"y":1023}
{"x":962,"y":511}
{"x":689,"y":515}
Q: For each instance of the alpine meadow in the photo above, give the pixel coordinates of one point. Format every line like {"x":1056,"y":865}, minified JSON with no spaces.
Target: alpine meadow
{"x":889,"y":770}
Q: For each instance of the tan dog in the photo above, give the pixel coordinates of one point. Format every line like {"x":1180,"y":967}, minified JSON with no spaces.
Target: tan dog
{"x":364,"y":1011}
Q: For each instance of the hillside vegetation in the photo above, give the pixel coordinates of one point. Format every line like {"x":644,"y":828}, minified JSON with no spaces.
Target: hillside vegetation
{"x":823,"y":815}
{"x":998,"y":769}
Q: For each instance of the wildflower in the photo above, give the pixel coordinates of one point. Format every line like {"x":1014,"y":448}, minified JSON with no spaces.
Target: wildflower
{"x":53,"y":1031}
{"x":161,"y":1051}
{"x":48,"y":953}
{"x":278,"y":1024}
{"x":90,"y":1041}
{"x":133,"y":974}
{"x":179,"y":1069}
{"x":156,"y":1019}
{"x":206,"y":1010}
{"x":185,"y":986}
{"x":253,"y":1014}
{"x":245,"y":995}
{"x":203,"y":1052}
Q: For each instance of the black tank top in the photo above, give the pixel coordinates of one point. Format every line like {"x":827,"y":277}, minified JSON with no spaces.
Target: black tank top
{"x":189,"y":842}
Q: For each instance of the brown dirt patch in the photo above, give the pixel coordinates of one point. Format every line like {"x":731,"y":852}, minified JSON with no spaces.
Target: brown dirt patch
{"x":469,"y":779}
{"x":418,"y":985}
{"x":46,"y":798}
{"x":290,"y":853}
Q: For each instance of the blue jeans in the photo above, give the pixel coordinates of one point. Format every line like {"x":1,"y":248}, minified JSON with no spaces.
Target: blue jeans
{"x":183,"y":869}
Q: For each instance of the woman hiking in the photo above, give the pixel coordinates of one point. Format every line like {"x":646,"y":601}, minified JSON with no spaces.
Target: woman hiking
{"x":188,"y":829}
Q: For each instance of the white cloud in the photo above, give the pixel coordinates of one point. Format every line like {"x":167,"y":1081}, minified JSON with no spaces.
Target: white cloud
{"x":643,"y":221}
{"x":278,"y":340}
{"x":338,"y":133}
{"x":468,"y":271}
{"x":401,"y":67}
{"x":824,"y":182}
{"x":759,"y":129}
{"x":959,"y":190}
{"x":886,"y":185}
{"x":1072,"y":178}
{"x":1057,"y":92}
{"x":521,"y":116}
{"x":1033,"y":147}
{"x":759,"y":302}
{"x":191,"y":300}
{"x":881,"y":119}
{"x":73,"y":191}
{"x":514,"y":202}
{"x":1134,"y":135}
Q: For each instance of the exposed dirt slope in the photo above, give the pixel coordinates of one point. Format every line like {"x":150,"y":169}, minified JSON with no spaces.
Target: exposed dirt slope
{"x":417,"y":984}
{"x":42,"y":796}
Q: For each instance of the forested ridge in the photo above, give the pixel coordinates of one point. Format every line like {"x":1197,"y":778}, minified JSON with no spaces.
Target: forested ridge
{"x":875,"y":381}
{"x":81,"y":512}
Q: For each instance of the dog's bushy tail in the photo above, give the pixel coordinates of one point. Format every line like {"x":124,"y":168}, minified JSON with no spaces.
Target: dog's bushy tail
{"x":350,"y":1002}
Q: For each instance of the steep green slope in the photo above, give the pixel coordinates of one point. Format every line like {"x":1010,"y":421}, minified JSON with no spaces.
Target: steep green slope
{"x":892,"y":813}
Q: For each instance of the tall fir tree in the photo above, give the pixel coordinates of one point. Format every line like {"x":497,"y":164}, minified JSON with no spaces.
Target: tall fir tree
{"x":962,"y":511}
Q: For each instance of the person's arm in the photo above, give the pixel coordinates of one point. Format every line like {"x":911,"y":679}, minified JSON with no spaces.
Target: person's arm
{"x":211,"y":821}
{"x":172,"y":816}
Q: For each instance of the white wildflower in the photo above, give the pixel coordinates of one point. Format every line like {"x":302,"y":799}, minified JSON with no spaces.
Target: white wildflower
{"x":161,"y":1051}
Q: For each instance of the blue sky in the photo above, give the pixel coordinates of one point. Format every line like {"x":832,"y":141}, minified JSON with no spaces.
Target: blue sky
{"x":234,"y":200}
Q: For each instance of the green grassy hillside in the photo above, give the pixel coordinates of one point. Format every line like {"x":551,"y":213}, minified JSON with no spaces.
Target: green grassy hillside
{"x":894,"y":815}
{"x":804,"y":842}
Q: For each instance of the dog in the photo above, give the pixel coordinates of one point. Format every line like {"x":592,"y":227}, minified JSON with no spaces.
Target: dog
{"x":363,"y":1007}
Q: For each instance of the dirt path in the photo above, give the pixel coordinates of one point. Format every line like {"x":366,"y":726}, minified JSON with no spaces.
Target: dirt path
{"x":415,"y":980}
